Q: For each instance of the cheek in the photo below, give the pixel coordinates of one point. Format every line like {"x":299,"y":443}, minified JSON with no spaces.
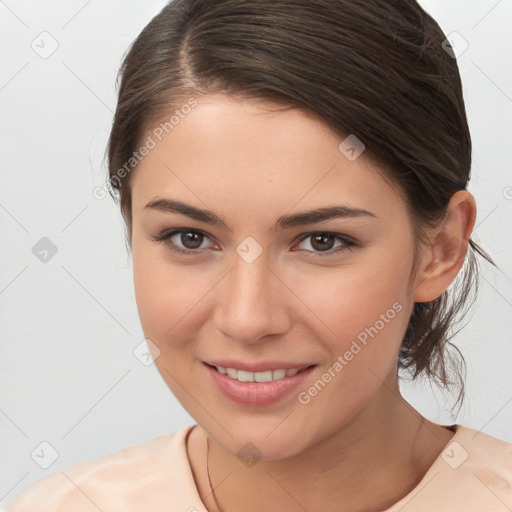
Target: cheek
{"x":353,"y":297}
{"x":170,"y":298}
{"x":361,"y":311}
{"x":367,"y":314}
{"x":158,"y":290}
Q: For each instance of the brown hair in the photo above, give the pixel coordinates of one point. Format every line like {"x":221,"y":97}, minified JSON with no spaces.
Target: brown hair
{"x":374,"y":68}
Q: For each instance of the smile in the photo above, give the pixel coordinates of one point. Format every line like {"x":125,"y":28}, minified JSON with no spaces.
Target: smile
{"x":258,"y":388}
{"x":265,"y":376}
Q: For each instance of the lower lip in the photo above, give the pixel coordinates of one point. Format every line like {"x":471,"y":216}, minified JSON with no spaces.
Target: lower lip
{"x":257,"y":393}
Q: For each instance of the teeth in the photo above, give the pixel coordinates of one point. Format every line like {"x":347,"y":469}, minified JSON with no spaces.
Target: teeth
{"x":231,"y":372}
{"x":266,"y":376}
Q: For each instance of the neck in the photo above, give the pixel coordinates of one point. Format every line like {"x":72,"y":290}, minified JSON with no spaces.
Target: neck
{"x":368,"y":464}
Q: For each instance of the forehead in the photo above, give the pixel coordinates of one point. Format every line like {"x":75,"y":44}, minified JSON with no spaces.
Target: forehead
{"x":238,"y":154}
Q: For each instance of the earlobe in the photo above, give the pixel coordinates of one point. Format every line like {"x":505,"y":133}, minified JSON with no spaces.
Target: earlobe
{"x":442,"y":261}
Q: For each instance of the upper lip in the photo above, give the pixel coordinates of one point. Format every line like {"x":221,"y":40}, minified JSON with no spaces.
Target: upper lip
{"x":257,"y":367}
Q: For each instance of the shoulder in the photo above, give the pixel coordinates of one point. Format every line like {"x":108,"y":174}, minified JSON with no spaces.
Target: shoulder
{"x":128,"y":479}
{"x":484,"y":456}
{"x":472,"y":473}
{"x":479,"y":467}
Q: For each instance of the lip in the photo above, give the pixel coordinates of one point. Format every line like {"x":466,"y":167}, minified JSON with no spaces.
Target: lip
{"x":256,"y":393}
{"x":262,"y":366}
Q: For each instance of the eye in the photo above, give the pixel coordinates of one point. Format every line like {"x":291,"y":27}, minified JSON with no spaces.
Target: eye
{"x":324,"y":244}
{"x":183,"y":241}
{"x":190,"y":241}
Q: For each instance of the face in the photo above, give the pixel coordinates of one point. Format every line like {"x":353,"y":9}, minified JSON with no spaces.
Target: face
{"x":256,"y":285}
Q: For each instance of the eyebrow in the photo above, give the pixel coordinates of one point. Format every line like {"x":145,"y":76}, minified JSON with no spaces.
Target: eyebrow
{"x":285,"y":221}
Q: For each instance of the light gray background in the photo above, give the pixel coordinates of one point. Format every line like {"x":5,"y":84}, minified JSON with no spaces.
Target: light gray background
{"x":69,"y":326}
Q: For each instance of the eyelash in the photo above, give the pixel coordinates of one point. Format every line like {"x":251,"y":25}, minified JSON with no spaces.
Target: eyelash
{"x":164,"y":237}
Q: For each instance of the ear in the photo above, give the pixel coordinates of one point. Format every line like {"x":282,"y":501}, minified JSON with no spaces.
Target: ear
{"x":443,"y":258}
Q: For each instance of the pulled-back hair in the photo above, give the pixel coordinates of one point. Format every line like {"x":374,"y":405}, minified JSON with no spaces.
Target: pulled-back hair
{"x":379,"y":69}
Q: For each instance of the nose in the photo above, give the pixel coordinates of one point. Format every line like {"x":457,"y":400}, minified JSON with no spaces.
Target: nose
{"x":252,"y":302}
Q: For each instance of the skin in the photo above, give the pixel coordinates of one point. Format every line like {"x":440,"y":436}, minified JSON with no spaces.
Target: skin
{"x":357,"y":445}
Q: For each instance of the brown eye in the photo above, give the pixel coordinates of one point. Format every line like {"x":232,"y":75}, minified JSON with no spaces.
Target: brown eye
{"x":322,"y":241}
{"x":191,"y":239}
{"x":325,"y":244}
{"x":183,"y":241}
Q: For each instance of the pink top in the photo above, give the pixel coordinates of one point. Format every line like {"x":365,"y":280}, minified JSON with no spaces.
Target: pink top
{"x":473,"y":473}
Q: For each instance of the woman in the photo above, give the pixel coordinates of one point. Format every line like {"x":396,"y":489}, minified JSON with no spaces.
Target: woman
{"x":293,"y":177}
